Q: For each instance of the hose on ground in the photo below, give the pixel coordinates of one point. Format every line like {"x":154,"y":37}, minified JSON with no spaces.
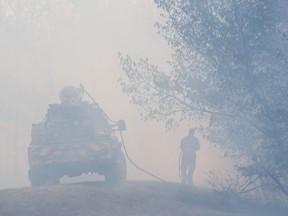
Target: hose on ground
{"x":179,"y":166}
{"x":138,"y":167}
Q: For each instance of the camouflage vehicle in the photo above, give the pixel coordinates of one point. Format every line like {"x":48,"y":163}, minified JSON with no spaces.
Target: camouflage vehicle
{"x":76,"y":137}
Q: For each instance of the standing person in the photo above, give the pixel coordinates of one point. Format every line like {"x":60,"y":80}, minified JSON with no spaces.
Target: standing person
{"x":189,"y":146}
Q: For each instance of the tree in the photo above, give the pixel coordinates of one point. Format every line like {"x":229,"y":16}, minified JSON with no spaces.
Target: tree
{"x":229,"y":66}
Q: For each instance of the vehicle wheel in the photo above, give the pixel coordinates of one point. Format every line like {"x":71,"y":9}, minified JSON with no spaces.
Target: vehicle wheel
{"x":118,"y":172}
{"x":39,"y":178}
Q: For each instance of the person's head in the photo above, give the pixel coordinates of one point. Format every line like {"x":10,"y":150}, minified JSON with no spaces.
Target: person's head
{"x":191,"y":131}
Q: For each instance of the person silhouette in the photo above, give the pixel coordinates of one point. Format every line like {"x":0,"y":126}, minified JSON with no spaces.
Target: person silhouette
{"x":189,"y":145}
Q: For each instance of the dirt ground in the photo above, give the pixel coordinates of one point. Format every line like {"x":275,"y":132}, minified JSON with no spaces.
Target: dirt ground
{"x":137,"y":198}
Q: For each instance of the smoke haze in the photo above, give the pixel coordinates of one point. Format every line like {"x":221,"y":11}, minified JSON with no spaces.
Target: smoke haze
{"x":35,"y":63}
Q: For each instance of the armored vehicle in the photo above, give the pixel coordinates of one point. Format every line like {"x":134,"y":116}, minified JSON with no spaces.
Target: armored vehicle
{"x":75,"y":137}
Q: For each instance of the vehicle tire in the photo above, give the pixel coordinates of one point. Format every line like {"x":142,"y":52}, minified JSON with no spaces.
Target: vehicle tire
{"x":118,"y":172}
{"x":38,"y":177}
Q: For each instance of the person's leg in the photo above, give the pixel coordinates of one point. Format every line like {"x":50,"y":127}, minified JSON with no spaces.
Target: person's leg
{"x":190,"y":175}
{"x":184,"y":175}
{"x":184,"y":172}
{"x":191,"y":168}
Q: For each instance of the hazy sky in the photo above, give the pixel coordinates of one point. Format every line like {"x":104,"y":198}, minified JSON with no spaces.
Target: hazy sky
{"x":84,"y":49}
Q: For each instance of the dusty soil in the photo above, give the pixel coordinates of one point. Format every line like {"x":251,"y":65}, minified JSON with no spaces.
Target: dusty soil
{"x":137,"y":198}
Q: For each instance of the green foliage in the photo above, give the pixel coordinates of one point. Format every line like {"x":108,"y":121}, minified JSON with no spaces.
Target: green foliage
{"x":229,"y":65}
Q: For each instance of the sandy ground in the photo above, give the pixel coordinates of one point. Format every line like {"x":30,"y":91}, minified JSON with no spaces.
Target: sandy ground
{"x":137,"y":198}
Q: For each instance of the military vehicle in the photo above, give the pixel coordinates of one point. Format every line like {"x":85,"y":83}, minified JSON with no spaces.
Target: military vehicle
{"x":76,"y":137}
